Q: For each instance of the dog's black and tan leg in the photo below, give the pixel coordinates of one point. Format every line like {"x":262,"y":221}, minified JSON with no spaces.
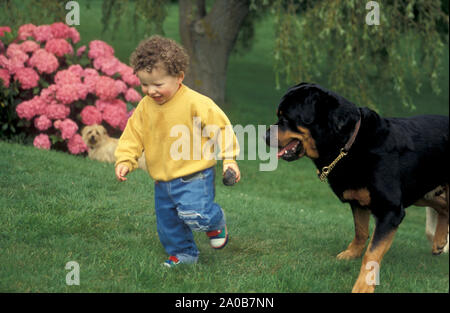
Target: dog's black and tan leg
{"x":355,"y":249}
{"x":380,"y":243}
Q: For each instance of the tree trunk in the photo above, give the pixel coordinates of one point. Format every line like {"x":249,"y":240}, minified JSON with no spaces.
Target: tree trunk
{"x":209,"y":39}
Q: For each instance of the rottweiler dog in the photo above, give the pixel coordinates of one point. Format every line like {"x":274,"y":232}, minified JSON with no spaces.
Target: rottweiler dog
{"x":380,"y":166}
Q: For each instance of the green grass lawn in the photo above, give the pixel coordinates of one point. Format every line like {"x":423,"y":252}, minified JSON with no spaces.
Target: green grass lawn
{"x":286,"y":227}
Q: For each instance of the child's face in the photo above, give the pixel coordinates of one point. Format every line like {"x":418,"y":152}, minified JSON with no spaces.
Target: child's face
{"x":159,"y":85}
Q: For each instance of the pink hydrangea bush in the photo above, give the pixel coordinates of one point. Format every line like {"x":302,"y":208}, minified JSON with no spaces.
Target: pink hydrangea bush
{"x":42,"y":141}
{"x":56,"y":87}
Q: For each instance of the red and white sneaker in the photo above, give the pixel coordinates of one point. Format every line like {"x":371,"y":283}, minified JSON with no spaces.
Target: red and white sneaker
{"x":218,"y":238}
{"x":172,"y":261}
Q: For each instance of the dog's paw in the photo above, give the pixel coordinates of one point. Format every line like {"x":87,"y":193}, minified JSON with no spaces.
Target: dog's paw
{"x":437,"y":250}
{"x":439,"y":245}
{"x":349,"y":255}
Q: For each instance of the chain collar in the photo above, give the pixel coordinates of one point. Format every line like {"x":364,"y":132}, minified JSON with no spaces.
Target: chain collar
{"x":326,"y":170}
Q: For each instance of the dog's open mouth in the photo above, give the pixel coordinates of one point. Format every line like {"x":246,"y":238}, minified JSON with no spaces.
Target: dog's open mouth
{"x":292,"y":151}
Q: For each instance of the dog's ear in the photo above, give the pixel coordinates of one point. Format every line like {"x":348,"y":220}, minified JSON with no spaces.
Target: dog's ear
{"x":340,"y":111}
{"x":338,"y":119}
{"x":308,"y":113}
{"x":102,"y":130}
{"x":342,"y":120}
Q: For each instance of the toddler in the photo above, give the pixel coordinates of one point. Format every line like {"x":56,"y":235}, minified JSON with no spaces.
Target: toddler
{"x":184,"y":182}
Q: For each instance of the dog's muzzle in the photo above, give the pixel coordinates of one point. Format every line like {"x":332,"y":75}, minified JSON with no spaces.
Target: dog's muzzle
{"x":292,"y":151}
{"x":92,"y":140}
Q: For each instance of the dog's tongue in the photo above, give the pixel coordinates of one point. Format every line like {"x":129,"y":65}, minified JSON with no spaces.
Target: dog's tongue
{"x":288,"y":147}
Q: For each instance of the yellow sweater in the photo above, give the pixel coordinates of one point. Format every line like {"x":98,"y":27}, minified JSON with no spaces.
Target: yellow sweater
{"x":177,"y":136}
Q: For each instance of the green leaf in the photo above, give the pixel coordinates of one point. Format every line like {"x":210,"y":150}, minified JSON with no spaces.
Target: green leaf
{"x":55,"y":139}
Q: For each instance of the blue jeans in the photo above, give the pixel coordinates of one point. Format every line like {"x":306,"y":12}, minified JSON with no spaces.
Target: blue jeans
{"x":183,"y":205}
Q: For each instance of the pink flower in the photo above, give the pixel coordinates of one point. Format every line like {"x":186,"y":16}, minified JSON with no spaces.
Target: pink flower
{"x":90,"y":79}
{"x":102,"y":104}
{"x":39,"y":105}
{"x":81,"y":50}
{"x":30,"y":108}
{"x":64,"y":77}
{"x":132,"y":95}
{"x":27,"y":77}
{"x":42,"y":142}
{"x":4,"y":61}
{"x":44,"y":61}
{"x":57,"y":111}
{"x":4,"y":29}
{"x":98,"y":48}
{"x":14,"y":52}
{"x":11,"y":64}
{"x":48,"y":94}
{"x":114,"y":115}
{"x":74,"y":35}
{"x":67,"y":127}
{"x":26,"y":109}
{"x":127,"y":75}
{"x":91,"y":115}
{"x":125,"y":69}
{"x":120,"y":104}
{"x":29,"y":46}
{"x":4,"y":75}
{"x":131,"y":79}
{"x":76,"y":69}
{"x":121,"y":86}
{"x":76,"y":144}
{"x":105,"y":88}
{"x":59,"y":47}
{"x":67,"y":93}
{"x":107,"y":64}
{"x":82,"y":91}
{"x":26,"y":31}
{"x":60,"y":30}
{"x":91,"y":72}
{"x":42,"y":123}
{"x":43,"y":33}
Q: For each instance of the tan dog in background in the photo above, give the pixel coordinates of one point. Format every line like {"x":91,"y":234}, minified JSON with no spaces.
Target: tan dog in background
{"x":102,"y":146}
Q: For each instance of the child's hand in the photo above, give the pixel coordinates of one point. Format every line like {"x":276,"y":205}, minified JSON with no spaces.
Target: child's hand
{"x":121,"y":171}
{"x":235,"y":168}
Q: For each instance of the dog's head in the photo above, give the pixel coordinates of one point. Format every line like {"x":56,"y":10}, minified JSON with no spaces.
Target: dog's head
{"x":93,"y":135}
{"x":313,"y":121}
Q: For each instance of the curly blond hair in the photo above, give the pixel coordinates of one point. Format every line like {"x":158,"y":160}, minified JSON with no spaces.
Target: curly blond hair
{"x":156,"y":50}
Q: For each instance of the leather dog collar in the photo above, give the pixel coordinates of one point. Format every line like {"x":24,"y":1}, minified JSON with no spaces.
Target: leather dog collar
{"x":326,"y":170}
